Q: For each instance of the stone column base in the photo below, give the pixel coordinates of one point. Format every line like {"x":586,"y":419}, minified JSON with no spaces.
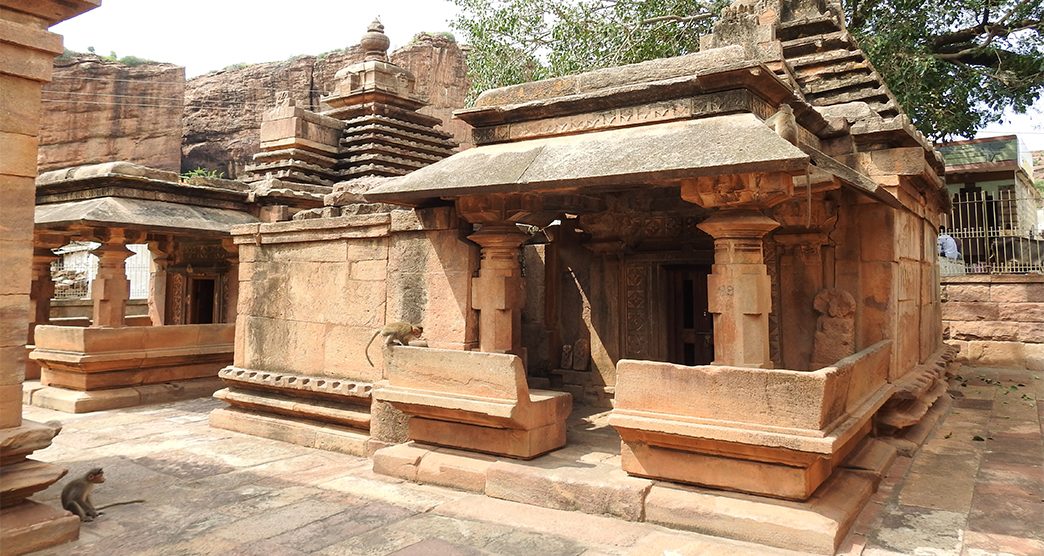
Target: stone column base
{"x":79,"y":401}
{"x":32,"y":526}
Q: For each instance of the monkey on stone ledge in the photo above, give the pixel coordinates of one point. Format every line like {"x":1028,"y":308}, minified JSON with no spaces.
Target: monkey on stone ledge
{"x":401,"y":332}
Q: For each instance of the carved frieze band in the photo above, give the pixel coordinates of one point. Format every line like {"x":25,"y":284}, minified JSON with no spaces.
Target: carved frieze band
{"x":286,"y":381}
{"x":700,"y":106}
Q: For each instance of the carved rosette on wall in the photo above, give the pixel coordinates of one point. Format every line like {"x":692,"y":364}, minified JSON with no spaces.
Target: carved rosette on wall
{"x":637,"y":310}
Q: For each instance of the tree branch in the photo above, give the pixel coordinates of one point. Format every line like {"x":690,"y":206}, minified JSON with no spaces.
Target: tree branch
{"x":675,"y":18}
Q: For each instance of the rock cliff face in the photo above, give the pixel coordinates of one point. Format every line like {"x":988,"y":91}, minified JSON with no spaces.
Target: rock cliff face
{"x":223,"y":109}
{"x":96,"y":110}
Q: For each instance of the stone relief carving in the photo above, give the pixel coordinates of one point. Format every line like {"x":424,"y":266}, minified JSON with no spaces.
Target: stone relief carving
{"x":566,"y":362}
{"x":177,"y":298}
{"x":581,"y":355}
{"x":835,"y":327}
{"x":637,"y":311}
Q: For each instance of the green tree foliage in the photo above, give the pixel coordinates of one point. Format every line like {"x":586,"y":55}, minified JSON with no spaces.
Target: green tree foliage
{"x":954,"y":65}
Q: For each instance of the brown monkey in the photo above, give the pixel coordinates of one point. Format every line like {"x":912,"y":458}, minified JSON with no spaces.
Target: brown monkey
{"x":401,"y":332}
{"x":76,"y":496}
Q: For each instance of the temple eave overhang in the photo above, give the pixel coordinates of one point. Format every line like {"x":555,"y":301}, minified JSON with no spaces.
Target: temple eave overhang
{"x":658,"y":154}
{"x":148,"y":215}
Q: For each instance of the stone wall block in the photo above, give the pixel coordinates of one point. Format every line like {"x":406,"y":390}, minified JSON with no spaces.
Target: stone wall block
{"x":344,"y":353}
{"x":20,"y":99}
{"x":967,"y":292}
{"x":876,"y":221}
{"x":977,"y":311}
{"x":986,"y":330}
{"x":1031,"y":332}
{"x":369,"y":270}
{"x":15,"y":278}
{"x":1017,"y":293}
{"x":1020,"y":312}
{"x":311,"y":252}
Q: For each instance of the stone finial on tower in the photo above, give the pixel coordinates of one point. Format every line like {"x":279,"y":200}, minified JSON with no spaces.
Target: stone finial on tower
{"x":375,"y":43}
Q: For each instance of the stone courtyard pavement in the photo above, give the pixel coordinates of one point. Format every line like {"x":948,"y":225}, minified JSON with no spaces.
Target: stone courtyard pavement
{"x":974,"y":488}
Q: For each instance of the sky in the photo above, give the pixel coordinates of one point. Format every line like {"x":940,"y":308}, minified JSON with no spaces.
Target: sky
{"x":209,"y":35}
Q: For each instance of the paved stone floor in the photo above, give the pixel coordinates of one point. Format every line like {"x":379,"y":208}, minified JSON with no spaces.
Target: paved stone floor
{"x":974,"y":488}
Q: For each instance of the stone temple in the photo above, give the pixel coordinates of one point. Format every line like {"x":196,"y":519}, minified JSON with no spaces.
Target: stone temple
{"x":734,"y":250}
{"x":687,"y":291}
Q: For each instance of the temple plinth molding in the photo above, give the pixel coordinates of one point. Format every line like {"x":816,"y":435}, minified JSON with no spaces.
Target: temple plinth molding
{"x":739,"y":292}
{"x":499,"y":291}
{"x":110,"y":289}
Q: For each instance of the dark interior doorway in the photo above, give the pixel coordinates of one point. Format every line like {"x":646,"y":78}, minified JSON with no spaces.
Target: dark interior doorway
{"x":691,"y":328}
{"x":201,"y":310}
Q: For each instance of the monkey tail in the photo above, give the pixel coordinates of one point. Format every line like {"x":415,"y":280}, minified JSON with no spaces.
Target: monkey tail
{"x":120,"y":504}
{"x":370,"y":343}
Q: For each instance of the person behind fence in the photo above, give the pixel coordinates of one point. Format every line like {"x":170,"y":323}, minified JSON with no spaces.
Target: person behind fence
{"x":947,"y":245}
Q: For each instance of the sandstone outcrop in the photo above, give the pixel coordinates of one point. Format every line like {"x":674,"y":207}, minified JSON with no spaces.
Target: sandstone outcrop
{"x":223,"y":109}
{"x":97,"y":110}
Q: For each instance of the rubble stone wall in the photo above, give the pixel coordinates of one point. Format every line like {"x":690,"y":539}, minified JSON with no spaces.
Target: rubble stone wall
{"x":96,"y":110}
{"x":996,"y":321}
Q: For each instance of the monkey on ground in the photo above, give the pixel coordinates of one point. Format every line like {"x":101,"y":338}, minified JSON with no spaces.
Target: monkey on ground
{"x":76,"y":496}
{"x":401,"y":332}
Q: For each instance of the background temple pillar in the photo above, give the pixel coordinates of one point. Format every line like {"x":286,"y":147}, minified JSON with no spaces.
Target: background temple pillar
{"x":738,"y":289}
{"x":160,"y":252}
{"x":498,"y":292}
{"x":41,"y":290}
{"x":110,"y":289}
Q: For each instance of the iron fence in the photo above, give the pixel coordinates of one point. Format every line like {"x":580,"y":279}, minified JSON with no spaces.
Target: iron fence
{"x":996,"y":233}
{"x":74,"y":271}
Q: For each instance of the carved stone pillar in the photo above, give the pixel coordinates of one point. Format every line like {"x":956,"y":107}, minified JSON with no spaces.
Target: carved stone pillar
{"x":230,"y":282}
{"x":110,"y":289}
{"x":499,"y":292}
{"x":161,"y":252}
{"x":738,"y":289}
{"x":25,"y":65}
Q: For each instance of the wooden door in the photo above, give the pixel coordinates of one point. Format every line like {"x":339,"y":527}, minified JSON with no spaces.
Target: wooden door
{"x":690,"y":334}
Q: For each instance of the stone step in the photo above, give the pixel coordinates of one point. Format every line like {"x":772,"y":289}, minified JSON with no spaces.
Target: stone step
{"x":295,"y":431}
{"x":549,"y":483}
{"x":353,"y":416}
{"x":817,"y":525}
{"x":77,"y":401}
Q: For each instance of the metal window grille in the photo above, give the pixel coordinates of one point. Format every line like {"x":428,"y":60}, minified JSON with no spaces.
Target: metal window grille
{"x":996,"y":233}
{"x":138,"y":268}
{"x":74,"y":272}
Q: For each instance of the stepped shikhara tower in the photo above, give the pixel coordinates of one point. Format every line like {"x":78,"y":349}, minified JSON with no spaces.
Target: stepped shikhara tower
{"x":370,"y":129}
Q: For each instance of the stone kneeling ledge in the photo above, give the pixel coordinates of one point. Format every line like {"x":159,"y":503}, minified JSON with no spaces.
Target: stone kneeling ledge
{"x":474,"y":401}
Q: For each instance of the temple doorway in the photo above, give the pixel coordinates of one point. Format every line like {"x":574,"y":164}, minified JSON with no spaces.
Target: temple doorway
{"x":690,"y":338}
{"x":202,"y":302}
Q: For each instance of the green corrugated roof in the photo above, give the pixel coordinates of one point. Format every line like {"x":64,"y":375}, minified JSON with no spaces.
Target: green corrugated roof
{"x":998,"y":150}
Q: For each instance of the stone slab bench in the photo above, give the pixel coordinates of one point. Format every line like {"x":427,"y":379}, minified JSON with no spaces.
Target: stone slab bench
{"x":772,"y":432}
{"x":474,"y":401}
